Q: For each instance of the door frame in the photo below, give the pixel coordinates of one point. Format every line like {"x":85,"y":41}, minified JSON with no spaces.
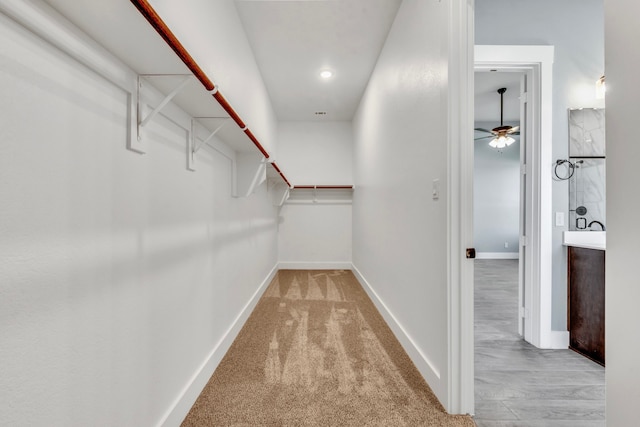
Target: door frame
{"x":525,"y":206}
{"x":538,"y":59}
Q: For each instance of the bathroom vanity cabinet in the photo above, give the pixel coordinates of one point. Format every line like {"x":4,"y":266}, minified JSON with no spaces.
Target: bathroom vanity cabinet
{"x":586,"y":302}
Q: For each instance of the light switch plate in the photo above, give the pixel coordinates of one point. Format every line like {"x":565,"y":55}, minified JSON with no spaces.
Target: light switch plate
{"x":559,"y":219}
{"x":435,"y":191}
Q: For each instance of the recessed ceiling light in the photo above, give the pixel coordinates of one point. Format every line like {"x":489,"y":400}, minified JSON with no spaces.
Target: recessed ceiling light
{"x":326,"y":74}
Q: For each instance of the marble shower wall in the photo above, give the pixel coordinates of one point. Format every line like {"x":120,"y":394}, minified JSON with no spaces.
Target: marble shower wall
{"x":587,"y":152}
{"x":586,"y":132}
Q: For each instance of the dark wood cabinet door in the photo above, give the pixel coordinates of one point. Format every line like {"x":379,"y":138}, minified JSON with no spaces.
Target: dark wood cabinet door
{"x":586,"y":302}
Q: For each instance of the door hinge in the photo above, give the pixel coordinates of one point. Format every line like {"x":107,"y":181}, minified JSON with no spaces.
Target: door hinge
{"x":523,"y":312}
{"x":523,"y":169}
{"x":523,"y":240}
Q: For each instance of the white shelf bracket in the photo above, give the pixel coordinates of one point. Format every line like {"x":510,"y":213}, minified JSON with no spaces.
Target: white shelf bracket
{"x":142,"y":119}
{"x":250,"y":172}
{"x":279,"y":193}
{"x":194,"y":145}
{"x":197,"y":147}
{"x":134,"y":142}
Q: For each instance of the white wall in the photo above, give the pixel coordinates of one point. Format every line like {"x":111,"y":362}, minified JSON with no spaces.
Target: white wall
{"x":316,"y":153}
{"x":316,"y":235}
{"x":399,"y":232}
{"x":120,"y":272}
{"x":496,"y":196}
{"x":213,"y":34}
{"x":578,"y":63}
{"x":623,"y":292}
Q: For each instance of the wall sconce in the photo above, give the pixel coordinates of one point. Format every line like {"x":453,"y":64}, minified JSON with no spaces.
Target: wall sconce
{"x":601,"y":88}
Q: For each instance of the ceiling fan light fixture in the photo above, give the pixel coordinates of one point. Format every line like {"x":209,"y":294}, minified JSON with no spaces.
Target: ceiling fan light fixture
{"x":501,"y":141}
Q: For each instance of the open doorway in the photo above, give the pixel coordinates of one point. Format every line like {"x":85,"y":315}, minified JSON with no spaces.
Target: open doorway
{"x":504,"y":203}
{"x":498,"y":208}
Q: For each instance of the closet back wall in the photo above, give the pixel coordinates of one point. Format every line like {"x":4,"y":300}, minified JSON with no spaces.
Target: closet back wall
{"x":315,"y":235}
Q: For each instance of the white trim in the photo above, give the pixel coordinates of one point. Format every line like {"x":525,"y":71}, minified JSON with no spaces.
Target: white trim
{"x":302,"y":265}
{"x":460,"y":346}
{"x":540,"y":60}
{"x":497,"y":255}
{"x":559,"y":340}
{"x":188,"y":395}
{"x":425,"y":367}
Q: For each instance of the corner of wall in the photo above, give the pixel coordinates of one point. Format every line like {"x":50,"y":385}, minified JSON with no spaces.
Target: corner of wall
{"x":559,"y":340}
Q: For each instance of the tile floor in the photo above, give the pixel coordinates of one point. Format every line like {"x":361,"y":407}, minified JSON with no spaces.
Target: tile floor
{"x":516,"y":383}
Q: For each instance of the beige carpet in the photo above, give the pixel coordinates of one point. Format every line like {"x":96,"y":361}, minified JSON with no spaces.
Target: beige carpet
{"x":316,"y":352}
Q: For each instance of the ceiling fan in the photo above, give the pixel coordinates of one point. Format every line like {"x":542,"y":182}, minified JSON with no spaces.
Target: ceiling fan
{"x":501,"y":134}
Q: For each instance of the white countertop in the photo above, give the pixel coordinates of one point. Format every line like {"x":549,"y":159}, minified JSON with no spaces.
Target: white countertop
{"x":585,"y":239}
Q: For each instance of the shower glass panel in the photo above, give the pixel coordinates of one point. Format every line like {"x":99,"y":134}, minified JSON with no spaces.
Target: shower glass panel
{"x":587,"y":195}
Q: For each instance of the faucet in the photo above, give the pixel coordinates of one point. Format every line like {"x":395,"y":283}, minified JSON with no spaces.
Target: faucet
{"x":597,"y":222}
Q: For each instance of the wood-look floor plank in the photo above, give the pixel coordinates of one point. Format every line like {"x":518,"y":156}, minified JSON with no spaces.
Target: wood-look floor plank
{"x":525,"y":377}
{"x":567,"y":410}
{"x":539,"y":392}
{"x":493,"y":410}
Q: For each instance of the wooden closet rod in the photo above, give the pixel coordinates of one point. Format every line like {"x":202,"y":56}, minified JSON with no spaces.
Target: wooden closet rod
{"x":161,"y":27}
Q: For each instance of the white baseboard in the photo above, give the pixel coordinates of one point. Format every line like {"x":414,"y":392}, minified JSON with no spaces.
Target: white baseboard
{"x":295,"y":265}
{"x":559,"y":339}
{"x":425,"y":367}
{"x":497,"y":255}
{"x":187,"y":397}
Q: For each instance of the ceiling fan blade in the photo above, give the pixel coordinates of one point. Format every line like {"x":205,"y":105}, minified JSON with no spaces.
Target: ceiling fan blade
{"x":484,"y":137}
{"x":514,"y":129}
{"x":483,"y":130}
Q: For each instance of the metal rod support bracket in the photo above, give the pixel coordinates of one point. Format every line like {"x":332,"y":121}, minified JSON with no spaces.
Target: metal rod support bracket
{"x":193,"y":145}
{"x":142,"y":122}
{"x":196,"y":146}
